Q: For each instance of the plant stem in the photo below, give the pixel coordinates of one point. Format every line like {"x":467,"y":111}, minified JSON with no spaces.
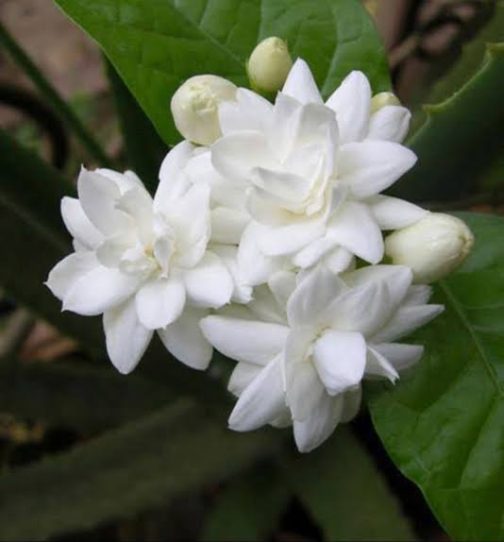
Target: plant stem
{"x":52,"y":96}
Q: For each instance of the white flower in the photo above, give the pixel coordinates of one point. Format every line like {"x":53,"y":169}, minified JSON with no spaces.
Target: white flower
{"x":194,"y":107}
{"x":269,"y":64}
{"x":315,"y":171}
{"x":433,"y":247}
{"x":143,"y":263}
{"x":337,"y":330}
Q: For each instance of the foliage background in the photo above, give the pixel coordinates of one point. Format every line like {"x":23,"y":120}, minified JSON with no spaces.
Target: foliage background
{"x":87,"y":453}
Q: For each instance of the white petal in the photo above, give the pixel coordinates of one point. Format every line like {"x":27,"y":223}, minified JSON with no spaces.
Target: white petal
{"x":369,"y":167}
{"x":137,"y":203}
{"x":236,"y":155}
{"x":354,"y":228}
{"x":68,"y":271}
{"x":378,"y":365}
{"x":282,"y":240}
{"x":242,"y":291}
{"x":98,"y":196}
{"x":228,"y":225}
{"x":393,"y":213}
{"x":396,"y":278}
{"x":352,"y":103}
{"x":319,"y":426}
{"x":338,"y":260}
{"x":249,"y":111}
{"x":124,"y":181}
{"x":400,"y":356}
{"x":209,"y":284}
{"x":171,"y":180}
{"x":78,"y":224}
{"x":127,"y":339}
{"x":160,"y":302}
{"x":254,"y":267}
{"x":312,"y":296}
{"x":390,"y":123}
{"x":242,"y":376}
{"x":282,"y":284}
{"x":185,"y":341}
{"x":405,"y":321}
{"x":88,"y":288}
{"x":262,"y":401}
{"x":418,"y":294}
{"x":362,"y":309}
{"x":340,"y":359}
{"x":313,"y":252}
{"x":245,"y":340}
{"x":301,"y":85}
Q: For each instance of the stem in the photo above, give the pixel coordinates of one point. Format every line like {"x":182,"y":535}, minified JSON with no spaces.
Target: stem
{"x":52,"y":96}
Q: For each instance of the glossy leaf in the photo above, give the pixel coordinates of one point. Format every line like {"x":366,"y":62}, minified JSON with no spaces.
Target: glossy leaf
{"x":444,"y":424}
{"x":346,"y":494}
{"x":76,"y":395}
{"x":145,"y":150}
{"x":460,"y":138}
{"x":124,"y":472}
{"x":248,"y":508}
{"x":157,"y":44}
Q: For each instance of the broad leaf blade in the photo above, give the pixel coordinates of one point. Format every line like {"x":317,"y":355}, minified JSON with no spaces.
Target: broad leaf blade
{"x":156,"y":45}
{"x":346,"y":494}
{"x":124,"y":472}
{"x":444,"y":425}
{"x":145,"y":150}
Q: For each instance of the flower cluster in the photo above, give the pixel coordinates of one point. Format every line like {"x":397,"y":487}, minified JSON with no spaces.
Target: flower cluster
{"x":264,"y":240}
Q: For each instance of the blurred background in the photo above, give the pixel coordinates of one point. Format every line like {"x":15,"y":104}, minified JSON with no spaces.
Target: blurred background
{"x":424,"y":40}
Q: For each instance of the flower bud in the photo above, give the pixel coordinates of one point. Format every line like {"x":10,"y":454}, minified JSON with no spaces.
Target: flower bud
{"x":269,"y":64}
{"x":433,"y":247}
{"x":195,"y":107}
{"x":382,"y":99}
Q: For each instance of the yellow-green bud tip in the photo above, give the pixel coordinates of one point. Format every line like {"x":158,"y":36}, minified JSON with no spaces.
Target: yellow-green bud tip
{"x":383,"y":99}
{"x":269,"y":64}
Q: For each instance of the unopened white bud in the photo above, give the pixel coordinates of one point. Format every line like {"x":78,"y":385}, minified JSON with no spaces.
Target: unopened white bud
{"x":195,"y":107}
{"x":433,"y":247}
{"x":382,"y":99}
{"x":269,"y":64}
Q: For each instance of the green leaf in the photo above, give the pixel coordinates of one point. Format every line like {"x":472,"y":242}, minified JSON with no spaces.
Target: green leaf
{"x":51,"y":95}
{"x":471,"y":57}
{"x":444,"y":425}
{"x":124,"y":472}
{"x":248,"y":508}
{"x":33,"y":238}
{"x":345,"y":493}
{"x":77,"y":396}
{"x":145,"y":150}
{"x":460,"y":138}
{"x":157,"y":44}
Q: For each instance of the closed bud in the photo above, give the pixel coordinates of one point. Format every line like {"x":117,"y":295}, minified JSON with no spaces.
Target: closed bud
{"x":433,"y":247}
{"x":269,"y":64}
{"x":382,"y":99}
{"x":195,"y":107}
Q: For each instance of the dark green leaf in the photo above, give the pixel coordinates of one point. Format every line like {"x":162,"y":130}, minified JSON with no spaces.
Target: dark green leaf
{"x":460,"y":138}
{"x":145,"y":150}
{"x":157,"y":44}
{"x":248,"y":508}
{"x":345,"y":493}
{"x":51,"y":95}
{"x":33,"y":238}
{"x":77,"y":396}
{"x":124,"y":472}
{"x":444,"y":425}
